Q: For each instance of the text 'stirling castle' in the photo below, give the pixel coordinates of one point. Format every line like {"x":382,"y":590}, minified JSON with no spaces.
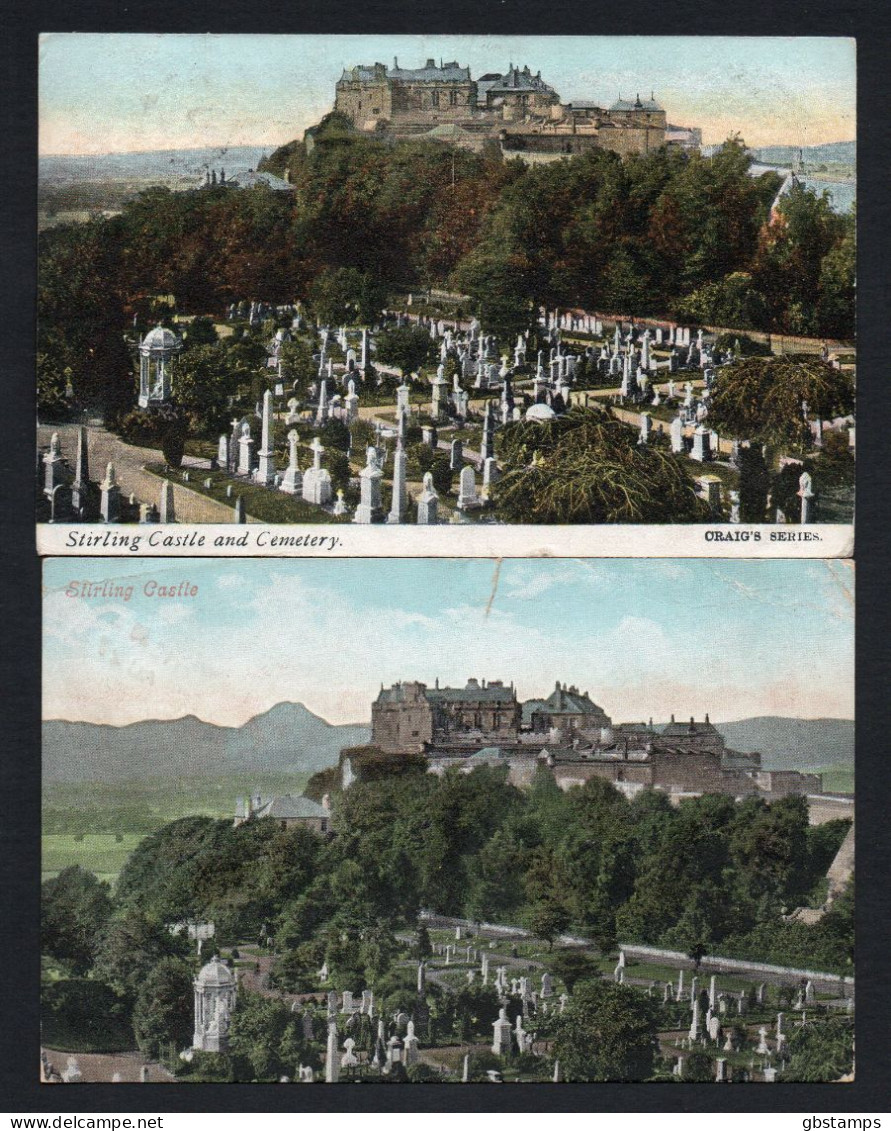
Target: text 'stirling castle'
{"x":518,"y":109}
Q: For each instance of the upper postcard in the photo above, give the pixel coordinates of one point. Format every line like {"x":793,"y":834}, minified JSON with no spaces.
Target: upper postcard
{"x":409,"y":295}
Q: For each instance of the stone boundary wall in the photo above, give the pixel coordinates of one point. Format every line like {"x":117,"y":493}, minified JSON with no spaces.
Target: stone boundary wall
{"x":779,"y":343}
{"x":711,"y":963}
{"x":714,"y":964}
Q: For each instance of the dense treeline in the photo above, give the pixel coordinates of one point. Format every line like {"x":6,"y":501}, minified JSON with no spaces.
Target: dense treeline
{"x":667,"y":233}
{"x":711,"y":874}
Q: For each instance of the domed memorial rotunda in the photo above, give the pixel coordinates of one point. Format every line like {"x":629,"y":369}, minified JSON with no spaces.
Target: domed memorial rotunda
{"x":156,"y":353}
{"x":215,"y":990}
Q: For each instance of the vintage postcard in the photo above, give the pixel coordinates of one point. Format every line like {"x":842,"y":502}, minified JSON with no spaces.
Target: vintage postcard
{"x":584,"y":295}
{"x":447,"y":820}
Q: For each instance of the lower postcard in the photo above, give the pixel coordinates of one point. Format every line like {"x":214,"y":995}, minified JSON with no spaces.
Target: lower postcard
{"x":319,"y":821}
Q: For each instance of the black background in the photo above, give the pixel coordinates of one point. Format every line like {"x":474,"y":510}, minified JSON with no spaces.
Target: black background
{"x":20,"y":569}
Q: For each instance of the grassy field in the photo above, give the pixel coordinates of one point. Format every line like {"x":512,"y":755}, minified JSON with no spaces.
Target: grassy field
{"x":259,"y":502}
{"x":100,"y":812}
{"x":837,"y":778}
{"x":102,"y":854}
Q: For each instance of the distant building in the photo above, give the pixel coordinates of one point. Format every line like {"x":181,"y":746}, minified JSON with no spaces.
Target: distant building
{"x":518,"y":108}
{"x":571,"y":736}
{"x":409,"y":717}
{"x":567,"y":711}
{"x":246,"y":178}
{"x":287,"y":811}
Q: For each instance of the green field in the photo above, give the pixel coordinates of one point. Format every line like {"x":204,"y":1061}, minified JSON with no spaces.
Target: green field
{"x":837,"y":779}
{"x":102,"y":854}
{"x":100,"y":812}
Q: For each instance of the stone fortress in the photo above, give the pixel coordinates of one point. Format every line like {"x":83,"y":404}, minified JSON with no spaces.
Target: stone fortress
{"x":484,"y":723}
{"x":518,"y":109}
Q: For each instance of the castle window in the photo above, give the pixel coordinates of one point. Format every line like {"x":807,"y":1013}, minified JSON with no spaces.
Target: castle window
{"x":434,"y":98}
{"x":453,"y":98}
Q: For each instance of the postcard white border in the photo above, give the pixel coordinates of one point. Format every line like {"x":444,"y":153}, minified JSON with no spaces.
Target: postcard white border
{"x":255,"y":539}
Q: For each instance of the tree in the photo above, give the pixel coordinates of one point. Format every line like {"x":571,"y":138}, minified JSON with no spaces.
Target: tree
{"x":344,"y":295}
{"x":496,"y":875}
{"x":587,"y":467}
{"x":405,"y":347}
{"x":423,"y":946}
{"x":257,"y":1038}
{"x":754,"y":483}
{"x":546,"y":888}
{"x":130,"y":947}
{"x":200,"y":332}
{"x":771,"y":400}
{"x":698,"y":1068}
{"x":573,"y":966}
{"x":162,"y":1015}
{"x":173,"y":443}
{"x":75,"y":906}
{"x":821,"y":1051}
{"x":607,"y":1032}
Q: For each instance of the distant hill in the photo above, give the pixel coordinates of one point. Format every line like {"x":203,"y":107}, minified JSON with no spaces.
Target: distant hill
{"x":286,"y":739}
{"x":793,"y":744}
{"x":838,"y":152}
{"x":163,"y":165}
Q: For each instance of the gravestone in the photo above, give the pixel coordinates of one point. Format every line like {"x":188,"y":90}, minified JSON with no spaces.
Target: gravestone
{"x":701,"y":450}
{"x":238,"y":514}
{"x":676,"y":432}
{"x":332,"y":1059}
{"x":456,"y":455}
{"x":245,"y":450}
{"x":54,"y":466}
{"x":316,"y":479}
{"x":292,"y":484}
{"x":80,"y":488}
{"x":110,"y":496}
{"x":502,"y":1034}
{"x":806,"y":494}
{"x":166,"y":509}
{"x":467,"y":496}
{"x":370,"y":509}
{"x":400,"y":497}
{"x":410,"y":1045}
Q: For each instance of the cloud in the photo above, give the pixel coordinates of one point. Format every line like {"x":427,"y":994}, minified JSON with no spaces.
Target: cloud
{"x":643,"y":638}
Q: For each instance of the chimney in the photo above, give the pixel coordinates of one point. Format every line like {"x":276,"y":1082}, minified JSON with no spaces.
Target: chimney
{"x":672,"y":718}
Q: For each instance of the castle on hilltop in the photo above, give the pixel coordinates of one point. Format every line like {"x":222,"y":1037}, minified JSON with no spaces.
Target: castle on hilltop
{"x":518,"y":109}
{"x":484,"y":723}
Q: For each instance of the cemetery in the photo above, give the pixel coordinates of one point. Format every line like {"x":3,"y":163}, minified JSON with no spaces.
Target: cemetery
{"x":492,"y":950}
{"x":660,"y":337}
{"x":425,"y":420}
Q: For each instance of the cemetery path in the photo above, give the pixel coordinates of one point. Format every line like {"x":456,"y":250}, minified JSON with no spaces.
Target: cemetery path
{"x":129,"y":462}
{"x":99,"y":1067}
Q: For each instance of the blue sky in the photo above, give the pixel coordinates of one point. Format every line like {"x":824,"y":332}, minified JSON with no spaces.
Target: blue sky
{"x":644,"y":637}
{"x":111,"y":93}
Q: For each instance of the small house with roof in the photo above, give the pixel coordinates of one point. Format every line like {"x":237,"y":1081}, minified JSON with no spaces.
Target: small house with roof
{"x":287,"y":811}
